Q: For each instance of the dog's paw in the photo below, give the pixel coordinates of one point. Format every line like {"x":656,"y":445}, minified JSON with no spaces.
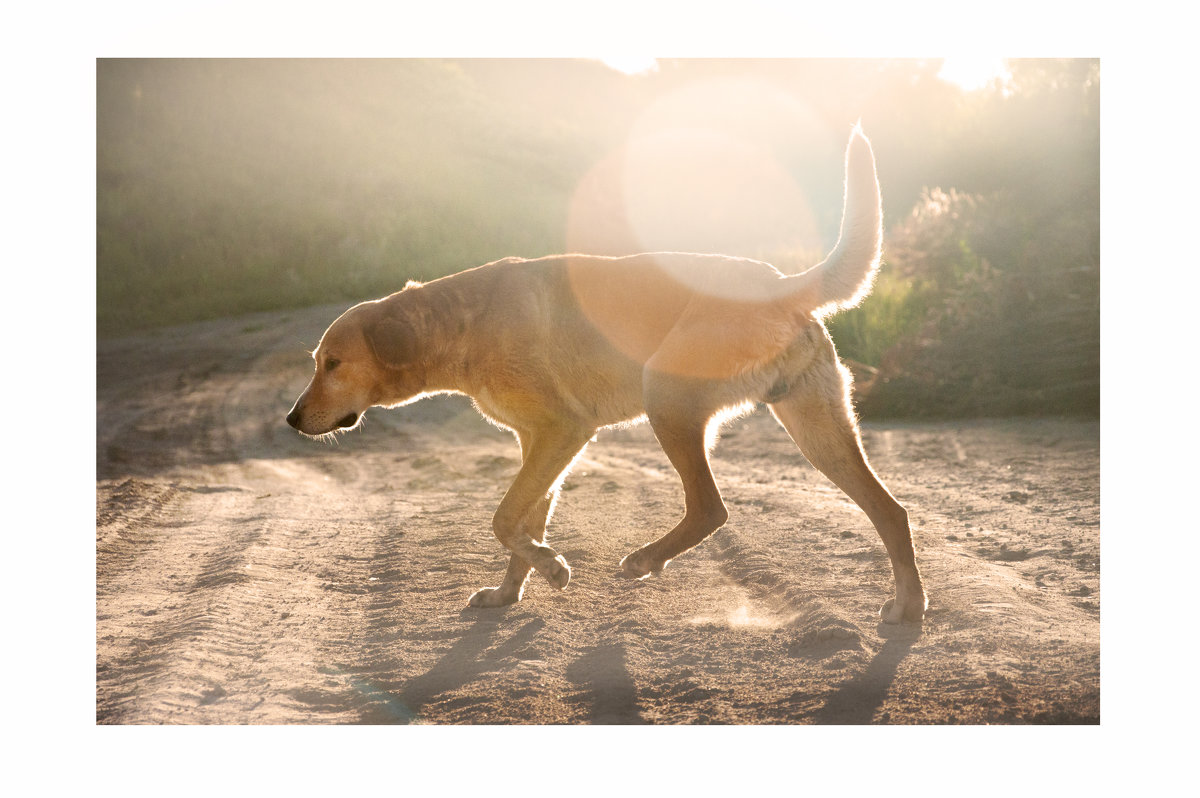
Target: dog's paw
{"x":547,"y":562}
{"x":640,"y":564}
{"x":557,"y":573}
{"x":891,"y":612}
{"x":492,"y":597}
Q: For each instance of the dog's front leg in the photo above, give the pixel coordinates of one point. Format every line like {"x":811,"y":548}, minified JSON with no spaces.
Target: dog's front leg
{"x":512,"y":587}
{"x":520,"y":522}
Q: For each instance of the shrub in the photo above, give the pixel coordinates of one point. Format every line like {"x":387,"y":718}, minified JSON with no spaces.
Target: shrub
{"x":1001,"y":315}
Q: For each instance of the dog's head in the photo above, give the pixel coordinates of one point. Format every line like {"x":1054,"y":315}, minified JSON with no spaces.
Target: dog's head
{"x":367,"y":357}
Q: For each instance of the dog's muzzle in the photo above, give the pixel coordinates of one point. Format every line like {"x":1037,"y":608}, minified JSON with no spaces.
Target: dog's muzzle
{"x":345,"y":422}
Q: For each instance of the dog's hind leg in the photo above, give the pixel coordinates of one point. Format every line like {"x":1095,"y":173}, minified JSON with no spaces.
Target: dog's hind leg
{"x":520,"y":521}
{"x":820,"y":419}
{"x":680,"y":418}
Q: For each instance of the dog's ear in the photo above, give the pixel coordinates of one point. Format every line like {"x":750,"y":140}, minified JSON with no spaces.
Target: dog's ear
{"x":391,"y":338}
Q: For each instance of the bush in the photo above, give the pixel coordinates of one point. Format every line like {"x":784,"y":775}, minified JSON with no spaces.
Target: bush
{"x":1001,"y":315}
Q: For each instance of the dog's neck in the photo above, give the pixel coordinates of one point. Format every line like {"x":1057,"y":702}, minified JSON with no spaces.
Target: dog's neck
{"x":448,"y":326}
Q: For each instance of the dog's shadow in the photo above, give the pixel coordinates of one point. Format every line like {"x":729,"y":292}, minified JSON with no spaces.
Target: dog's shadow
{"x":607,"y":691}
{"x":474,"y":654}
{"x":603,"y":679}
{"x":858,"y":699}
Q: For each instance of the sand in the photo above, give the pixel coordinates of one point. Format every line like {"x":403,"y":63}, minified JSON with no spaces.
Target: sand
{"x":247,"y":575}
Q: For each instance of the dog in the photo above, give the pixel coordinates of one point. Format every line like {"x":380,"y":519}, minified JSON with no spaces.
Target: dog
{"x":556,"y":348}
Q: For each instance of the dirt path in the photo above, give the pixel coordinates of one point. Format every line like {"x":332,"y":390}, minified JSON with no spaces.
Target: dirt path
{"x":248,"y":575}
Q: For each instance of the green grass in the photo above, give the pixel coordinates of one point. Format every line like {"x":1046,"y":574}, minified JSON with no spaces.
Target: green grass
{"x":229,"y":187}
{"x":894,"y":310}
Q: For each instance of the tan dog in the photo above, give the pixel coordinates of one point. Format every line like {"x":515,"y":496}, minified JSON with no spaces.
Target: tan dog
{"x":559,"y":347}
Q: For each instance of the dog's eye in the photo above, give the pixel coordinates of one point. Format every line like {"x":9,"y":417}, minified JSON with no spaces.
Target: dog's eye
{"x":331,"y":363}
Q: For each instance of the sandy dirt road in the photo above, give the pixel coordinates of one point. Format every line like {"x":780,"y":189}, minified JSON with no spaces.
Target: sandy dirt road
{"x":246,"y":575}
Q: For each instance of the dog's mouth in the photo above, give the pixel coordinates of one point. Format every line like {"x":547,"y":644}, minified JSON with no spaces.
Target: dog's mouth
{"x":347,"y":421}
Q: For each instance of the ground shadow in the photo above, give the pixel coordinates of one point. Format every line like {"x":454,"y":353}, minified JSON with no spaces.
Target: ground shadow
{"x":608,"y":691}
{"x":463,"y":663}
{"x":857,"y":700}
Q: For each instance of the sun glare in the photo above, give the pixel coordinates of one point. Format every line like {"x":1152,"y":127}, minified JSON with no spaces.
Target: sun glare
{"x":631,"y":63}
{"x":970,"y":73}
{"x":689,"y":179}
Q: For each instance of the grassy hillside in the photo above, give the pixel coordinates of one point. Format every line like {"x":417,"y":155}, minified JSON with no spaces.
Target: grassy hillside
{"x":228,"y":186}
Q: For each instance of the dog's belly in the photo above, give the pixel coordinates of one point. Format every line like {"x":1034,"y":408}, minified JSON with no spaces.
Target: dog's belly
{"x":619,"y":404}
{"x":592,"y":410}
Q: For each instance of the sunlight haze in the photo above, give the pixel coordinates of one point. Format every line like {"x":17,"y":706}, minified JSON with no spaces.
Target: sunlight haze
{"x":971,"y":72}
{"x":631,"y":63}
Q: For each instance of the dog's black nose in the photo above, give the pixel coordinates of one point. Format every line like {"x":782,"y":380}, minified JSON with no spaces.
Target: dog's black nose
{"x":293,"y":419}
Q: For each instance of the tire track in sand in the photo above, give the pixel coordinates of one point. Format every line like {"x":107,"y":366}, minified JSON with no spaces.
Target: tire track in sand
{"x":195,"y":605}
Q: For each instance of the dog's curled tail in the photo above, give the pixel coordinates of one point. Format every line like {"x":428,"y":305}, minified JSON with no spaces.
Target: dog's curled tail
{"x":844,"y":278}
